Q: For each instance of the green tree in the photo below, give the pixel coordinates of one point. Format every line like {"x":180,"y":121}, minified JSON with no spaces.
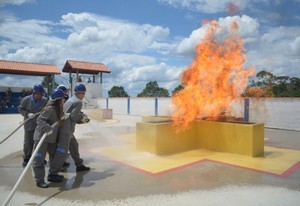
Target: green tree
{"x":117,"y":91}
{"x":265,"y":81}
{"x":268,"y":85}
{"x":280,"y":87}
{"x":153,"y":90}
{"x":47,"y":84}
{"x":177,"y":89}
{"x":294,"y":87}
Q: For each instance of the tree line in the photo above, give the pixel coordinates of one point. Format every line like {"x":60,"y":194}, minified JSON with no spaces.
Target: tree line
{"x":269,"y":85}
{"x":151,"y":90}
{"x":265,"y":85}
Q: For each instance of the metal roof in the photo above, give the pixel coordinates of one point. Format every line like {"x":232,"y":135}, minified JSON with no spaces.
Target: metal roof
{"x":24,"y":68}
{"x":84,"y":67}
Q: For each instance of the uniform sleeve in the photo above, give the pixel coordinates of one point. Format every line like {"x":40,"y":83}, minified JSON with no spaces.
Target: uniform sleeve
{"x":42,"y":120}
{"x":76,"y":113}
{"x":22,"y":107}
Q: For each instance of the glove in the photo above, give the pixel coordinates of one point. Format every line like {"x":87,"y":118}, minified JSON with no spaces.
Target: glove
{"x":30,"y":115}
{"x":85,"y":118}
{"x":48,"y":129}
{"x":66,"y":116}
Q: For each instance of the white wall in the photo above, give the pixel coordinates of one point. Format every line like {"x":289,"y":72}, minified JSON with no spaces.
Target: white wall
{"x":93,"y":92}
{"x":282,"y":113}
{"x":142,"y":106}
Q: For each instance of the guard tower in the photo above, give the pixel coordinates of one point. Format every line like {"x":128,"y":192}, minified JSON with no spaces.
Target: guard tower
{"x":89,"y":74}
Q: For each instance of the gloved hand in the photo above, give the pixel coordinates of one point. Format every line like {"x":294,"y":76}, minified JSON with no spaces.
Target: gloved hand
{"x":48,"y":129}
{"x":65,"y":116}
{"x":85,"y":118}
{"x":30,"y":115}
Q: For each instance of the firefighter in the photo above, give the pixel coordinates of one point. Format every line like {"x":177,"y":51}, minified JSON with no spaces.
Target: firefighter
{"x":53,"y":112}
{"x":66,"y":139}
{"x":65,"y":90}
{"x":29,"y":107}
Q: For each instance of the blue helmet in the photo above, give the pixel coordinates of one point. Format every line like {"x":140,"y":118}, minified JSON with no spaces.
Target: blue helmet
{"x":62,"y":87}
{"x":57,"y":94}
{"x":80,"y":88}
{"x":38,"y":88}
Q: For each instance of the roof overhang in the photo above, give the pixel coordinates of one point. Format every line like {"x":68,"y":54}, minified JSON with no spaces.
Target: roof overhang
{"x":24,"y":68}
{"x":72,"y":66}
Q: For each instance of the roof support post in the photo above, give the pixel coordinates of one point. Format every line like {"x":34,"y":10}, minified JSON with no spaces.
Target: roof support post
{"x":53,"y":82}
{"x":71,"y":83}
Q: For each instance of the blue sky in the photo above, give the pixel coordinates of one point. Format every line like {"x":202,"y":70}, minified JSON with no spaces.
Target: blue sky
{"x":143,"y":40}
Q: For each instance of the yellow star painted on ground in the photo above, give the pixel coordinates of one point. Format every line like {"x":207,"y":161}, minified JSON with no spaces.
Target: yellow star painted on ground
{"x":276,"y":161}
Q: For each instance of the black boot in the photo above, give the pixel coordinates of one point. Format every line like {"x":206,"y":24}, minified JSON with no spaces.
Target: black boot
{"x":82,"y":168}
{"x":42,"y":184}
{"x":55,"y":178}
{"x":25,"y":162}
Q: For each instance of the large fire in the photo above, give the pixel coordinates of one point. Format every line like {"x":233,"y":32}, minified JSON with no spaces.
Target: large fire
{"x":215,"y":78}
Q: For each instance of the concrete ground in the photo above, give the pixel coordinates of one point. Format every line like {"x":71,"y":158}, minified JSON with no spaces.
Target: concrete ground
{"x":112,"y":182}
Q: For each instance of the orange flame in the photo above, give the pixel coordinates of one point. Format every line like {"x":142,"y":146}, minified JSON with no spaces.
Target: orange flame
{"x":215,"y":78}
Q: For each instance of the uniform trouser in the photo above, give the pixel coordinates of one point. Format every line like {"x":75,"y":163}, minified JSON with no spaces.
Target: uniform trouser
{"x":38,"y":161}
{"x":28,"y":144}
{"x":74,"y":151}
{"x":61,"y":153}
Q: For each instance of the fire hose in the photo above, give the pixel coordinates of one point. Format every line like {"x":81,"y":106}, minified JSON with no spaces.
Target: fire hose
{"x":22,"y":123}
{"x":29,"y":163}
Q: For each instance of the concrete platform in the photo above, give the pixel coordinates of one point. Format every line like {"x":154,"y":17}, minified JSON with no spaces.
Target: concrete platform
{"x":122,"y":176}
{"x":161,"y":138}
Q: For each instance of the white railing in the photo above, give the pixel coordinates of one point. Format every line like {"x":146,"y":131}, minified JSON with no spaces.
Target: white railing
{"x":281,"y":113}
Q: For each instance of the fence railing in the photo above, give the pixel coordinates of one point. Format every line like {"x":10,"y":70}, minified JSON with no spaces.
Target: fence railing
{"x":281,"y":113}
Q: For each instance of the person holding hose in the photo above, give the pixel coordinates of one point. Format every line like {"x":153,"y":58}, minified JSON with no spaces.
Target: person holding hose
{"x":66,"y":140}
{"x":65,"y":90}
{"x":29,"y":107}
{"x":75,"y":104}
{"x":53,"y":112}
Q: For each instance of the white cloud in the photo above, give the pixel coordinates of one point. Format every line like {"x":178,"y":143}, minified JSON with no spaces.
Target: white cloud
{"x":128,"y":61}
{"x":89,"y":35}
{"x":139,"y":53}
{"x":78,"y":21}
{"x":294,"y":46}
{"x":28,"y":40}
{"x":248,"y":29}
{"x":135,"y":78}
{"x":276,"y":49}
{"x":157,"y":72}
{"x":23,"y":31}
{"x":108,"y":35}
{"x":123,"y":46}
{"x":47,"y":52}
{"x":19,"y":80}
{"x":206,"y":6}
{"x":15,"y":2}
